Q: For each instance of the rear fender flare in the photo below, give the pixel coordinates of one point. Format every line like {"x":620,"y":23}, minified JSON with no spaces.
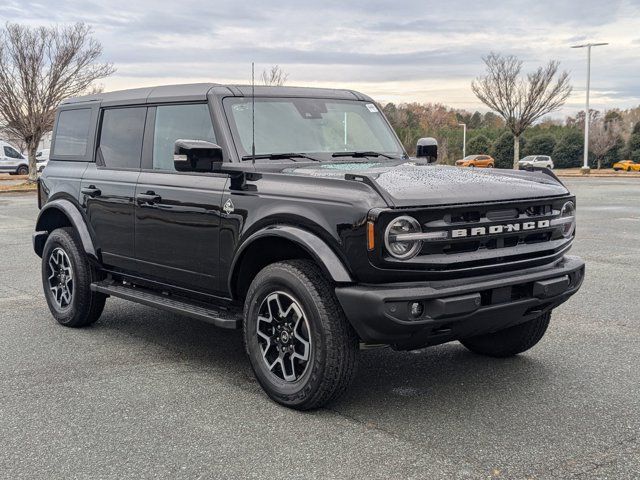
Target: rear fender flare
{"x":76,"y":219}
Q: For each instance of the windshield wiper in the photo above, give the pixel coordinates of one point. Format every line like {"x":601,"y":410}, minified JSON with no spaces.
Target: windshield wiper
{"x":279,"y":156}
{"x":361,"y":154}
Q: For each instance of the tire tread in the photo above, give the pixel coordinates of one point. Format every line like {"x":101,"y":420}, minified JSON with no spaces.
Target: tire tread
{"x":87,"y":305}
{"x":332,"y":380}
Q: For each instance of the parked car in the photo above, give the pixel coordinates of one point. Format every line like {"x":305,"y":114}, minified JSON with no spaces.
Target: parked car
{"x":314,"y":244}
{"x":12,"y":161}
{"x":535,"y":161}
{"x":42,"y":158}
{"x":480,"y":161}
{"x":626,"y":166}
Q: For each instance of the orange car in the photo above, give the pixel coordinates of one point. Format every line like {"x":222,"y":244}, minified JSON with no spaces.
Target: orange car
{"x":627,"y":166}
{"x":482,"y":161}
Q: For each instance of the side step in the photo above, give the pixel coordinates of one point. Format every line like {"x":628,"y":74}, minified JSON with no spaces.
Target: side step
{"x":218,"y":316}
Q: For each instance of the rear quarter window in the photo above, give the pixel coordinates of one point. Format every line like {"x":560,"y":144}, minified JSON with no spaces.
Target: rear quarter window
{"x":72,"y":132}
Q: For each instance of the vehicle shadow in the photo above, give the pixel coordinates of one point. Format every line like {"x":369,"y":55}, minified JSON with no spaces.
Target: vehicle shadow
{"x":442,"y":378}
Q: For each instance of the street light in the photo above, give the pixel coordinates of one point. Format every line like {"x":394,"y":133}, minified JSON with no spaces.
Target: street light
{"x":464,"y":139}
{"x":585,"y":166}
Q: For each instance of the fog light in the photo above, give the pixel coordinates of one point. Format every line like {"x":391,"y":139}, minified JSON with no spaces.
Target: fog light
{"x":416,"y":309}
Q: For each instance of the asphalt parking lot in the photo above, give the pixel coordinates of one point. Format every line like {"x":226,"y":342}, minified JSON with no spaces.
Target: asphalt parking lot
{"x":147,"y":394}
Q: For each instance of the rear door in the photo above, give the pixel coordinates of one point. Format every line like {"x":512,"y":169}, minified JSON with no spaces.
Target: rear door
{"x":541,"y":161}
{"x":178,"y":213}
{"x":108,"y":185}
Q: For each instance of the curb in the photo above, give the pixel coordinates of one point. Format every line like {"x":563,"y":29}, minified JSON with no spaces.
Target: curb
{"x":13,"y":177}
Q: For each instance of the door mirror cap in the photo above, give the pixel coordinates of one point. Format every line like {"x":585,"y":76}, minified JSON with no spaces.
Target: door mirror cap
{"x":427,"y":148}
{"x":196,"y":156}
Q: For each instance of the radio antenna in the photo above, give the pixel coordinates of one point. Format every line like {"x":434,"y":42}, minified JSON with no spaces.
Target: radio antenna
{"x":253,"y":114}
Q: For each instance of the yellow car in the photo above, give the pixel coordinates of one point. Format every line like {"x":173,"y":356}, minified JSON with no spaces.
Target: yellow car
{"x":627,"y":166}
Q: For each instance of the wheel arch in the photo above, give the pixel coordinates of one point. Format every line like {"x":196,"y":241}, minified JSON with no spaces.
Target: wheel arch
{"x":282,"y":242}
{"x":62,"y":213}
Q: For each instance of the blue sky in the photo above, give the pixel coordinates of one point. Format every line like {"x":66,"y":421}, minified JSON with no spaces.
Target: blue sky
{"x":395,"y":51}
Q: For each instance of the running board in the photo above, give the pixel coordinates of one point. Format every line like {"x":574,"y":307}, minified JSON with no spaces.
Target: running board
{"x":218,"y":316}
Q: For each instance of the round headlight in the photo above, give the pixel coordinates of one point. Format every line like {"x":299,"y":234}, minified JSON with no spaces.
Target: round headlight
{"x":568,"y":212}
{"x":398,"y":247}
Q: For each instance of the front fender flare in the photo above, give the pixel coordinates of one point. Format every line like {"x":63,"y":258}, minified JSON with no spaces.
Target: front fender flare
{"x":75,"y":217}
{"x":317,"y":248}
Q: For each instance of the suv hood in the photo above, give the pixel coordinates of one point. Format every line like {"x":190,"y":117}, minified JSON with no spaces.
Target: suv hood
{"x":407,"y":183}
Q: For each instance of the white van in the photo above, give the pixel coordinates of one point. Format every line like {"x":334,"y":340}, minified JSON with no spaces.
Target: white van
{"x":42,"y":158}
{"x":12,"y":161}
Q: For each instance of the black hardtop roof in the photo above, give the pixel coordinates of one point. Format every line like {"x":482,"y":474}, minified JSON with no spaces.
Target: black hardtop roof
{"x":198,"y":91}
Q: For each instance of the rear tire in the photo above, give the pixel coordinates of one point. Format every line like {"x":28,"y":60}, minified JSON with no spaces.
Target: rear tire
{"x":302,"y":349}
{"x":66,"y":279}
{"x":510,"y":341}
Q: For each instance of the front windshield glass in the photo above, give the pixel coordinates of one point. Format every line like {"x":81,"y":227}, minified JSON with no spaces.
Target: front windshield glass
{"x":309,"y":125}
{"x":527,"y":158}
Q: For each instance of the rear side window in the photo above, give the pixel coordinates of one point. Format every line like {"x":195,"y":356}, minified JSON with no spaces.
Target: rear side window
{"x":121,"y":137}
{"x":72,"y":132}
{"x":192,"y":122}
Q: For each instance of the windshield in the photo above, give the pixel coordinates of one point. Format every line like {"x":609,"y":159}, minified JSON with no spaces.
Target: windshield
{"x":528,"y":158}
{"x":470,"y":157}
{"x":309,"y":125}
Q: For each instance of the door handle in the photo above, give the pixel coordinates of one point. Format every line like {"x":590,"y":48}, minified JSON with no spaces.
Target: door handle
{"x":90,"y":191}
{"x":149,"y":197}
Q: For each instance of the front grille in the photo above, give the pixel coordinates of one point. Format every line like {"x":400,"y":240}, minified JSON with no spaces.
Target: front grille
{"x":500,"y":242}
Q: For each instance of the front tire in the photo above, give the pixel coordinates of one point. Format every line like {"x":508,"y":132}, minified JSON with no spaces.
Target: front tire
{"x":22,"y":170}
{"x":66,"y":278}
{"x":510,"y":341}
{"x":302,"y":349}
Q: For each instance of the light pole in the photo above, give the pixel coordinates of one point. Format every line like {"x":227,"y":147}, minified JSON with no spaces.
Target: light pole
{"x":587,"y":117}
{"x":464,"y":139}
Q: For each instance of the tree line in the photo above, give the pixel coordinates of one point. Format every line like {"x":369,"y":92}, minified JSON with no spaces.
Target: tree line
{"x":614,"y":135}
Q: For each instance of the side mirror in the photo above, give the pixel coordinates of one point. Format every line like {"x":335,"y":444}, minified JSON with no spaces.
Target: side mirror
{"x":427,"y":148}
{"x":196,"y":156}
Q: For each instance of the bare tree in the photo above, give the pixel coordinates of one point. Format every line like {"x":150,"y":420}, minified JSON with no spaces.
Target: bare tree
{"x":603,"y":136}
{"x":520,"y":101}
{"x":275,"y":76}
{"x":40,"y":67}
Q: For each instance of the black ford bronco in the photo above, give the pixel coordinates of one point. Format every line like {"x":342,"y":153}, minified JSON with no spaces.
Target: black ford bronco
{"x":296,"y":215}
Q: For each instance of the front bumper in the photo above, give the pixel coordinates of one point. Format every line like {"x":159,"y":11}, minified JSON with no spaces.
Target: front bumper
{"x":456,"y":309}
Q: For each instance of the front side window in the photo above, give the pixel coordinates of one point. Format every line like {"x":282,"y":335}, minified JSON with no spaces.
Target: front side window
{"x":309,"y":125}
{"x":121,"y":137}
{"x":72,"y":132}
{"x":173,"y":122}
{"x":11,"y":152}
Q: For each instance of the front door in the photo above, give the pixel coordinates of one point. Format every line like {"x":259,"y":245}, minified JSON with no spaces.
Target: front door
{"x":108,"y":186}
{"x":177,"y":217}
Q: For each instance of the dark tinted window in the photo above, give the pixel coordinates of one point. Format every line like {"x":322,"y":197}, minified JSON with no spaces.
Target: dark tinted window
{"x":12,"y":152}
{"x":72,"y":132}
{"x":121,"y":137}
{"x":192,"y":122}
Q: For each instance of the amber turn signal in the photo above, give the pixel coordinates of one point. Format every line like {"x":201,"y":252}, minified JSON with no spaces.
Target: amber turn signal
{"x":371,"y":240}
